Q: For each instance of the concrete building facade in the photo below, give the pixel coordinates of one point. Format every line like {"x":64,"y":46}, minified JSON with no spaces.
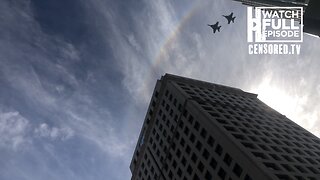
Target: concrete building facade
{"x":194,"y":130}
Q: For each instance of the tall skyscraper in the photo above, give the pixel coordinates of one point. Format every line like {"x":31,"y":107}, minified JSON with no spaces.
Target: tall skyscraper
{"x":195,"y":130}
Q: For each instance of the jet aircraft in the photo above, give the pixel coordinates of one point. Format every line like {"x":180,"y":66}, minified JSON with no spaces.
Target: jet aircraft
{"x":229,"y":18}
{"x":215,"y":27}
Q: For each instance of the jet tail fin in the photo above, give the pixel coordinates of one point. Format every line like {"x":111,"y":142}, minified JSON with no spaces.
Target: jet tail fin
{"x":219,"y":28}
{"x":233,"y":19}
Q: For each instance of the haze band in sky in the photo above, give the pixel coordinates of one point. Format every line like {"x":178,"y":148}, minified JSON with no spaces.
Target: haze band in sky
{"x":274,"y":30}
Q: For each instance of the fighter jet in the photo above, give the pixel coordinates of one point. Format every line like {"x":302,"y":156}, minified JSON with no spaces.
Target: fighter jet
{"x":229,"y":18}
{"x":215,"y":27}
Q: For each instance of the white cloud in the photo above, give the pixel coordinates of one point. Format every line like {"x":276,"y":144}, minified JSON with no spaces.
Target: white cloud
{"x":98,"y":128}
{"x":13,"y":130}
{"x":54,"y":133}
{"x":133,"y":42}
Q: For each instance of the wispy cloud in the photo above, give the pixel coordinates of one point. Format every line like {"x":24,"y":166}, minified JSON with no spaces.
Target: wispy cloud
{"x":13,"y":130}
{"x":53,"y":133}
{"x":91,"y":126}
{"x":55,"y":99}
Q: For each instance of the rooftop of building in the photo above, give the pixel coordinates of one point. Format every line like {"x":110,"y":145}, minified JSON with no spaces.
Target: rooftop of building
{"x":204,"y":84}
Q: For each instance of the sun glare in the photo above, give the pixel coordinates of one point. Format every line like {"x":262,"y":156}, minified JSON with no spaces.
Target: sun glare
{"x":280,"y":100}
{"x":292,"y":106}
{"x":277,"y":99}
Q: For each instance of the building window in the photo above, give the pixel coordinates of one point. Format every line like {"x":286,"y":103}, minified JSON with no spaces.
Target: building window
{"x":200,"y":166}
{"x":210,"y":141}
{"x":213,"y":163}
{"x":199,"y":146}
{"x":194,"y":157}
{"x":237,"y":170}
{"x":219,"y":150}
{"x":208,"y":176}
{"x":189,"y":170}
{"x":227,"y":159}
{"x":196,"y":126}
{"x":203,"y":133}
{"x":205,"y":154}
{"x":222,"y":173}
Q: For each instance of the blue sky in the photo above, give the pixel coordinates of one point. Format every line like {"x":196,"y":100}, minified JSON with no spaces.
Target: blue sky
{"x":76,"y":78}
